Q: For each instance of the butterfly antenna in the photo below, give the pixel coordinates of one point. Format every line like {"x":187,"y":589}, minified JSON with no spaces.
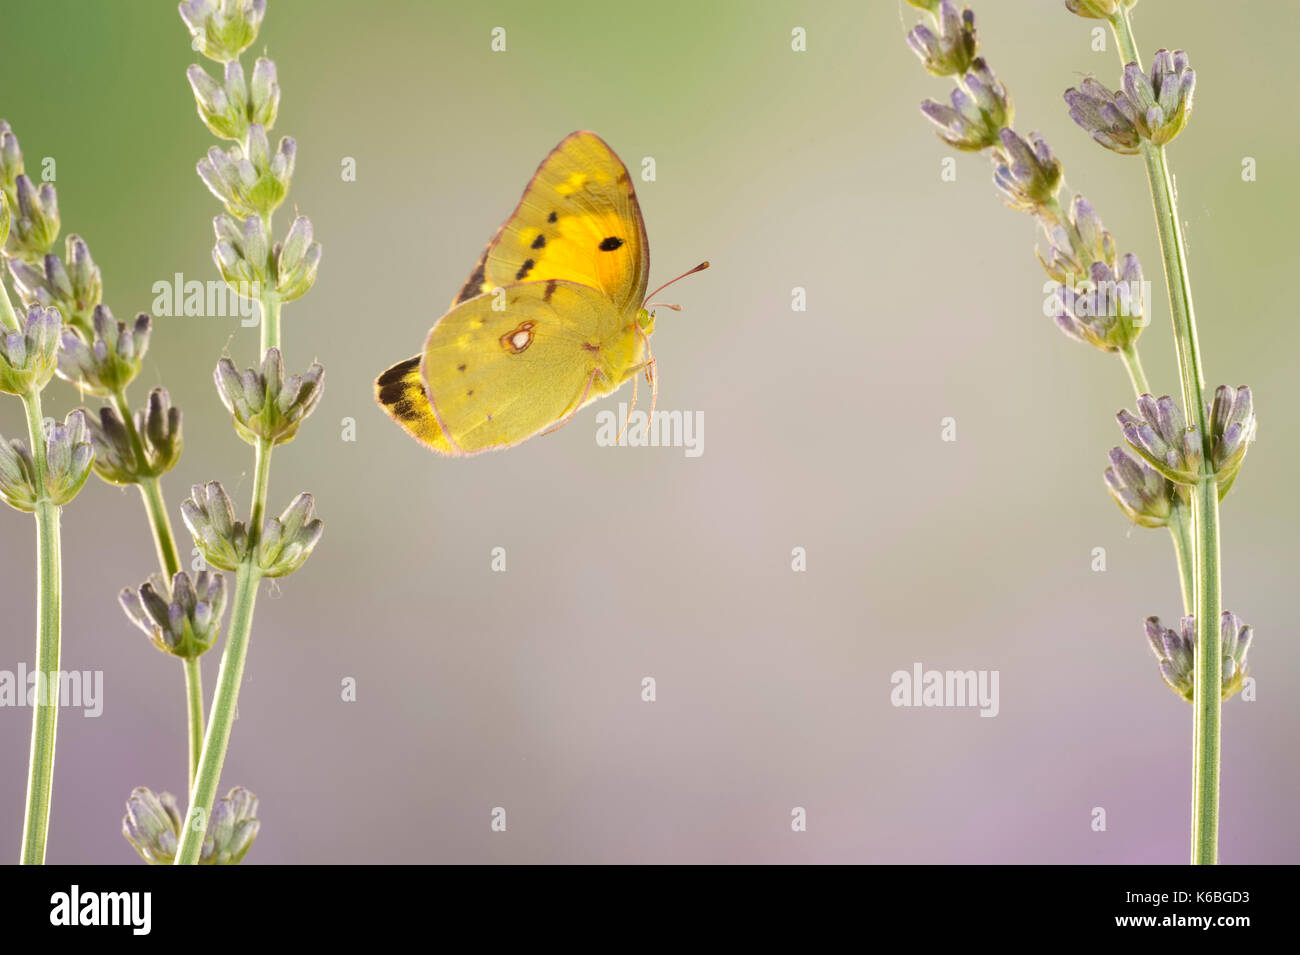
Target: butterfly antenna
{"x":676,"y":308}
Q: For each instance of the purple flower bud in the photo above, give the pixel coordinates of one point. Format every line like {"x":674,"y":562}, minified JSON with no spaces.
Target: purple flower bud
{"x":1141,"y":492}
{"x":980,"y":108}
{"x":951,"y":51}
{"x":1025,"y":171}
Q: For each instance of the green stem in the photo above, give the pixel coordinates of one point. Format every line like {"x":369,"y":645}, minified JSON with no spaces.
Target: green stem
{"x":270,"y":320}
{"x":1179,"y":281}
{"x":226,"y":700}
{"x":1204,"y":497}
{"x":1208,"y":678}
{"x":8,"y":317}
{"x":1133,"y":365}
{"x":169,"y":560}
{"x":45,"y":714}
{"x":1123,"y":28}
{"x":204,"y":791}
{"x":194,"y":709}
{"x":163,"y":538}
{"x":1180,"y":521}
{"x":1182,"y":528}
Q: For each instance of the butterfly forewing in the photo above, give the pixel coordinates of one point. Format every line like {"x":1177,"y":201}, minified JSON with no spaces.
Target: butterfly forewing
{"x":578,"y":221}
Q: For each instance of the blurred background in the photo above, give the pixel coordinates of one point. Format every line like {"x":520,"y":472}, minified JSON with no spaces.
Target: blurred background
{"x":522,"y":689}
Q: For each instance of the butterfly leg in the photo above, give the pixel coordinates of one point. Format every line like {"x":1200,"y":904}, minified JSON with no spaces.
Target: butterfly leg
{"x":651,"y":373}
{"x":581,"y":401}
{"x":623,"y":430}
{"x":652,"y":379}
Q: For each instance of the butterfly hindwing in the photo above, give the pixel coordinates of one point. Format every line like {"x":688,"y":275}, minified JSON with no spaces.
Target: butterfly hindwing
{"x":578,"y":221}
{"x":400,"y":392}
{"x":499,"y":368}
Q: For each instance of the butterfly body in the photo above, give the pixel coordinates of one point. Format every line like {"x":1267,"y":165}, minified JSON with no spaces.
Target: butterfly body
{"x":551,"y":317}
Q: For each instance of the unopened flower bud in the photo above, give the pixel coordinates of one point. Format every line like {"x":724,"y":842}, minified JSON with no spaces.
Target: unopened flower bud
{"x":1026,"y":172}
{"x":183,"y":618}
{"x":287,"y":541}
{"x":296,"y":261}
{"x":34,"y":220}
{"x":255,"y":184}
{"x":1141,"y":492}
{"x":106,"y":362}
{"x":158,"y":434}
{"x":228,"y":108}
{"x":1232,"y":429}
{"x":980,"y":108}
{"x":265,"y":405}
{"x":1176,"y":652}
{"x":223,"y":29}
{"x":210,"y":516}
{"x":951,"y":50}
{"x":29,"y":354}
{"x":1162,"y":437}
{"x":68,"y":457}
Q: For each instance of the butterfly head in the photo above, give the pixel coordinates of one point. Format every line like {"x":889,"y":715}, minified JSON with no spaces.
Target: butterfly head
{"x":645,"y":320}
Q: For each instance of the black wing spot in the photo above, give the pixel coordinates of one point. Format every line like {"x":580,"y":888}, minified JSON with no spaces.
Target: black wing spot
{"x":525,"y":269}
{"x":398,"y":371}
{"x":539,"y":242}
{"x":550,"y":290}
{"x":460,"y":367}
{"x":553,"y":217}
{"x":610,"y":243}
{"x":470,"y":393}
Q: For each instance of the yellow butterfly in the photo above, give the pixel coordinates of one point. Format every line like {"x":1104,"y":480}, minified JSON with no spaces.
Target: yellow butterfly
{"x":553,"y":316}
